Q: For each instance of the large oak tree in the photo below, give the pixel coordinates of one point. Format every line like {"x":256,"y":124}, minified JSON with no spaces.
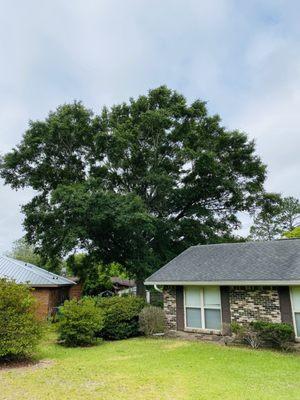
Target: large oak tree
{"x":136,"y":184}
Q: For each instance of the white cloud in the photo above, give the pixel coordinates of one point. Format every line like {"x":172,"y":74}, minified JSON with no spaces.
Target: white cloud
{"x":242,"y":57}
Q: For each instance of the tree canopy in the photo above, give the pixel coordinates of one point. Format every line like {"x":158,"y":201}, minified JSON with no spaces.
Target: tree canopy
{"x":136,"y":184}
{"x":293,"y":234}
{"x":23,"y":251}
{"x":275,"y":216}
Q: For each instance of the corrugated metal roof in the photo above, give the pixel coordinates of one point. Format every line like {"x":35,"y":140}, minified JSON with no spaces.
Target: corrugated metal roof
{"x":22,"y":272}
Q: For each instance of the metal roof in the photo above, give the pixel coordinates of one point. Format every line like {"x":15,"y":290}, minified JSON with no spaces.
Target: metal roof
{"x":30,"y":274}
{"x":252,"y":262}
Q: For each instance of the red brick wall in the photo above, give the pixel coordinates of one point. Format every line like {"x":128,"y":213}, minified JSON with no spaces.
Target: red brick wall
{"x":76,"y":291}
{"x":43,"y":297}
{"x":48,"y":298}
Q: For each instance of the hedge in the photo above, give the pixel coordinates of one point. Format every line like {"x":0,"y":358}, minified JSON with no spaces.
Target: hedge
{"x":79,"y":322}
{"x":120,"y":316}
{"x":20,"y":329}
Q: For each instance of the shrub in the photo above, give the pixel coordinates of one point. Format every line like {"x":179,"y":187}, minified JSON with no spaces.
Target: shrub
{"x":152,"y":320}
{"x":80,"y":320}
{"x":276,"y":334}
{"x":268,"y":333}
{"x":247,"y":334}
{"x":120,"y":316}
{"x":20,"y":330}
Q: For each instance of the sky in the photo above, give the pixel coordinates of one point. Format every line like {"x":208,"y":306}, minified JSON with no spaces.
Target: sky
{"x":241,"y":57}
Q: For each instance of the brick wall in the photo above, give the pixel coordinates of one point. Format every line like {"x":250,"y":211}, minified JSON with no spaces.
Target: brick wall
{"x":48,"y":298}
{"x":169,"y":298}
{"x":75,"y":291}
{"x":246,"y":304}
{"x":254,"y":303}
{"x":43,"y":296}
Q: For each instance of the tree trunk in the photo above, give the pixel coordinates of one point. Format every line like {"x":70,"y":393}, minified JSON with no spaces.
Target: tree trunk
{"x":140,"y":288}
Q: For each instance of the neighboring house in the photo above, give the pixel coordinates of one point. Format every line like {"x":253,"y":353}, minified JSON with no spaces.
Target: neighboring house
{"x":208,"y":287}
{"x":127,"y":287}
{"x":121,"y":284}
{"x":50,"y":289}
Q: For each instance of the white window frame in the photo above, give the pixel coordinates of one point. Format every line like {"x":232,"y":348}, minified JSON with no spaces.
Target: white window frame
{"x":294,"y":311}
{"x":202,"y":309}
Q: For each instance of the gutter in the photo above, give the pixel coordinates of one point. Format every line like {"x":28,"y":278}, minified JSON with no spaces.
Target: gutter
{"x":223,"y":283}
{"x":49,"y":286}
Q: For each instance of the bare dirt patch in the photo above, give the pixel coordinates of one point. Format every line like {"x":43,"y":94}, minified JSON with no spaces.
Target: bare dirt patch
{"x":175,"y":345}
{"x":25,"y":365}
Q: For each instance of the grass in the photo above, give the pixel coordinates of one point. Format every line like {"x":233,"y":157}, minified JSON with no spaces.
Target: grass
{"x":154,"y":369}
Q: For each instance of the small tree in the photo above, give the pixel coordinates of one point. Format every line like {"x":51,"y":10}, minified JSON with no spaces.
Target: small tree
{"x":20,"y":330}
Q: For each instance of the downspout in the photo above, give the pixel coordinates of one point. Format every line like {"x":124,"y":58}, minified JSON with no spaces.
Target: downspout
{"x":156,"y":288}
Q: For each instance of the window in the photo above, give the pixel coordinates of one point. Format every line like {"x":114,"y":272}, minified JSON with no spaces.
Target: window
{"x":295,"y":294}
{"x":202,"y":307}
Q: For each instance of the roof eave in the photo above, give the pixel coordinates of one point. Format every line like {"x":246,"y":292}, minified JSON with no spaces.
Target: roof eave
{"x":49,"y":285}
{"x":226,"y":283}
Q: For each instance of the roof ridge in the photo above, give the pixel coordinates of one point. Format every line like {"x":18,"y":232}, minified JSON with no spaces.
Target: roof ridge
{"x":24,"y":265}
{"x":252,"y":242}
{"x":45,"y":271}
{"x":237,"y":261}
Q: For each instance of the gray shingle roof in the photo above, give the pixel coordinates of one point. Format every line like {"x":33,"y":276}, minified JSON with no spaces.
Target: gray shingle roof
{"x":275,"y":261}
{"x":22,"y":272}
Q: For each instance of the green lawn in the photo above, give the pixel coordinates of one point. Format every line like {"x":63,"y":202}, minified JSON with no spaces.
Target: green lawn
{"x":154,"y":369}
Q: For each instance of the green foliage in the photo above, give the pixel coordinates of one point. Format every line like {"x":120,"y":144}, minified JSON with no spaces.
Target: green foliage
{"x":236,"y":328}
{"x":80,"y":320}
{"x":95,"y":276}
{"x":23,"y":251}
{"x":247,"y":334}
{"x":97,"y":283}
{"x":152,"y":320}
{"x":156,"y":298}
{"x":259,"y":333}
{"x":120,"y":316}
{"x":293,"y":234}
{"x":20,"y":329}
{"x":276,"y":215}
{"x":276,"y":334}
{"x":137,"y":184}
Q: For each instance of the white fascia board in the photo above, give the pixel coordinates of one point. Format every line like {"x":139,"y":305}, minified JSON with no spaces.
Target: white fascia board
{"x":225,"y":283}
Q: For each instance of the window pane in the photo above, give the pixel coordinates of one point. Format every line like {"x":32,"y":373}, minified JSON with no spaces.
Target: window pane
{"x":212,"y":296}
{"x":192,"y":296}
{"x":213,"y":319}
{"x":296,"y":298}
{"x":193,"y":318}
{"x":297,"y":319}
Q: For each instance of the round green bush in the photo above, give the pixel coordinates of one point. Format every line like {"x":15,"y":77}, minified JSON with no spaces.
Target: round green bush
{"x":120,"y":316}
{"x":276,"y":334}
{"x":152,"y":320}
{"x":79,"y":322}
{"x":20,"y":329}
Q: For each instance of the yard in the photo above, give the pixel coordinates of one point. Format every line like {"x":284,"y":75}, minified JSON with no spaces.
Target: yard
{"x":153,"y":369}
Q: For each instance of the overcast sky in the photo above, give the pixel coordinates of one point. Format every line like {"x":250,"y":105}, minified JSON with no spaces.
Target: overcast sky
{"x":242,"y":57}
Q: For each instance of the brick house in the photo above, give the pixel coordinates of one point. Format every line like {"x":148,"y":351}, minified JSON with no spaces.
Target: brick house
{"x":50,"y":289}
{"x":208,"y":287}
